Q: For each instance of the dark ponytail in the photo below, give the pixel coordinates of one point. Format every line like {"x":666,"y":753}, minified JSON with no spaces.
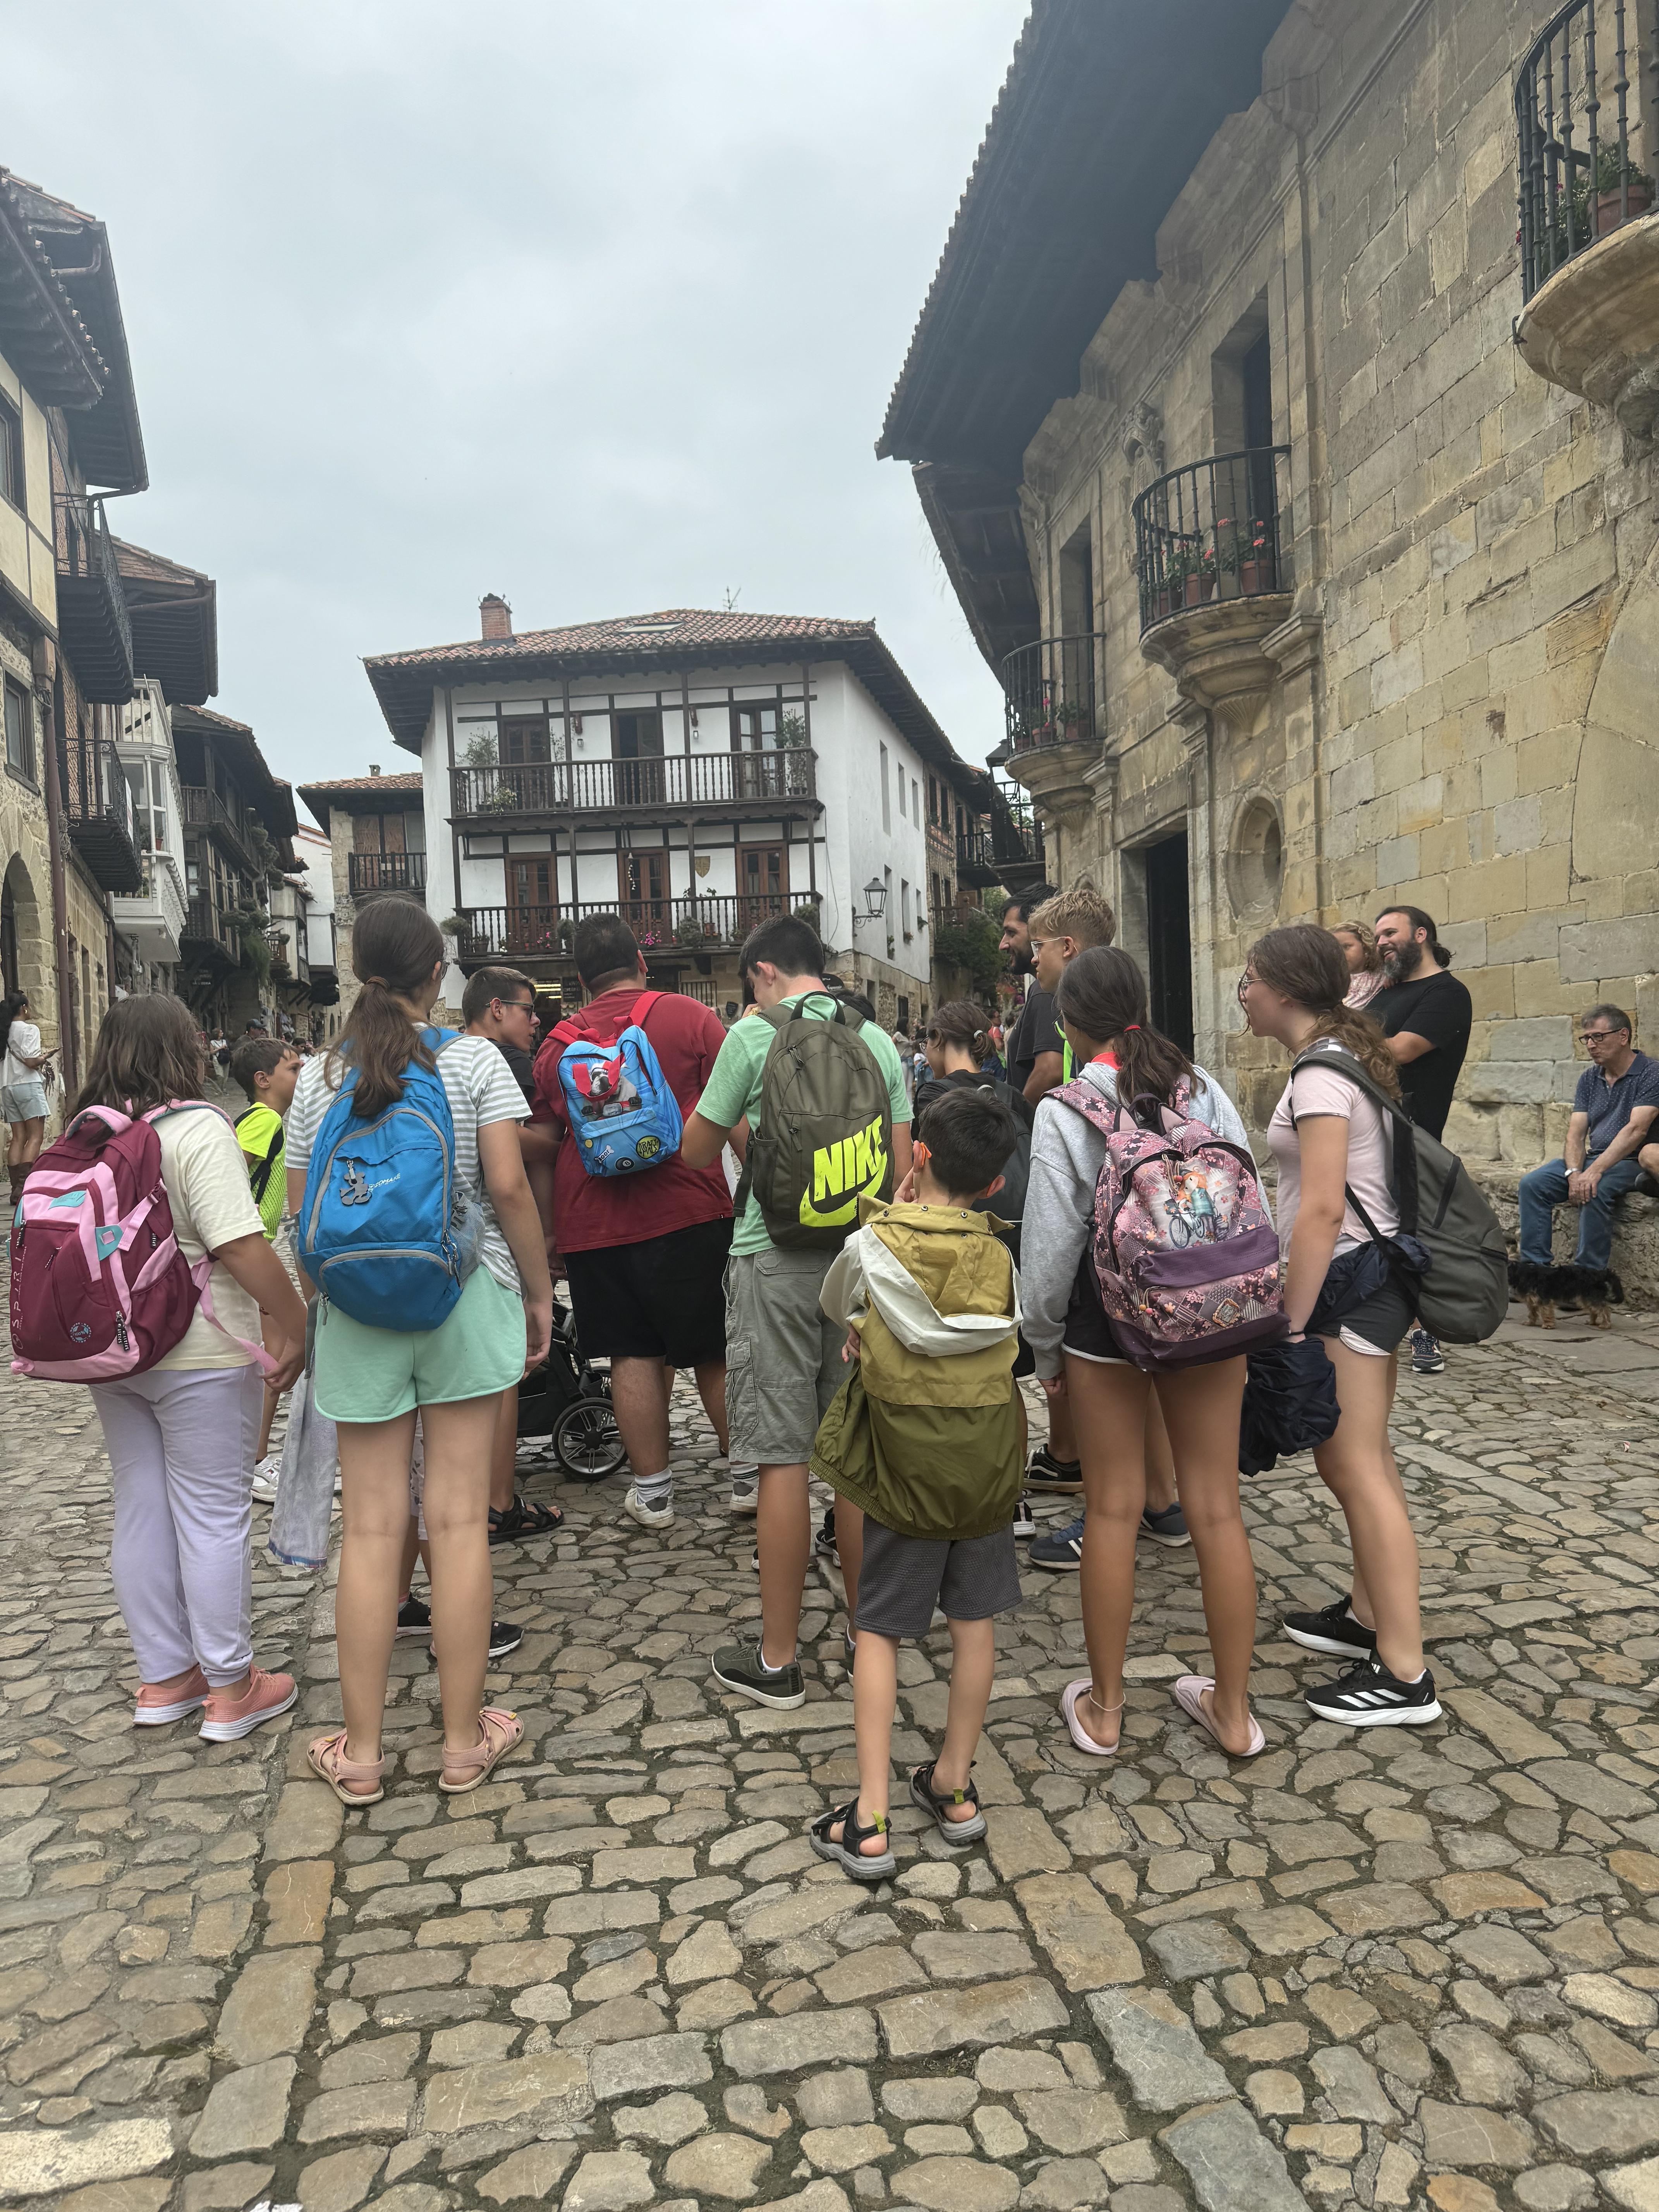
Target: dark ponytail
{"x":395,"y":945}
{"x":1103,"y":994}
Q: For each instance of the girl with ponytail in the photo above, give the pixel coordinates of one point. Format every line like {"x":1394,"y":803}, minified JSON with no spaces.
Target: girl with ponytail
{"x":374,"y":1381}
{"x":1334,"y":1148}
{"x":1122,"y":1415}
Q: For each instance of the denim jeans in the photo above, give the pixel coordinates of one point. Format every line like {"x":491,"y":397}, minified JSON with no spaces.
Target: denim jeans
{"x":1545,"y":1188}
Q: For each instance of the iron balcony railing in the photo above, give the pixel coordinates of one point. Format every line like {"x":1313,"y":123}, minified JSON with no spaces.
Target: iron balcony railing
{"x":976,"y":860}
{"x":1050,"y":688}
{"x":92,"y":606}
{"x":671,"y":781}
{"x":369,"y":873}
{"x":1578,"y":177}
{"x":1211,"y":531}
{"x":691,"y":925}
{"x":97,"y":806}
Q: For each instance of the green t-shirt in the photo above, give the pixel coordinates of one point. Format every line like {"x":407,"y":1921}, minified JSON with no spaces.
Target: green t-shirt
{"x":259,"y":1133}
{"x":734,"y":1089}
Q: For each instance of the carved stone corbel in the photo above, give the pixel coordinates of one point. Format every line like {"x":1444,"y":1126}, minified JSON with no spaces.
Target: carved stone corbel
{"x":1142,"y":436}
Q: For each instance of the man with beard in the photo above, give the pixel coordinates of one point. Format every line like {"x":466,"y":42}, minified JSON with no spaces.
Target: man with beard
{"x":1427,"y":1016}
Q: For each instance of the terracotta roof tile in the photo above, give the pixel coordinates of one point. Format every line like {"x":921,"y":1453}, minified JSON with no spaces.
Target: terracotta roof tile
{"x":367,"y":783}
{"x":674,"y":628}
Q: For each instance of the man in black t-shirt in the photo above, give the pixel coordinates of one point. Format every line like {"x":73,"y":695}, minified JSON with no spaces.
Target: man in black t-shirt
{"x":1427,"y":1016}
{"x":1036,"y":1046}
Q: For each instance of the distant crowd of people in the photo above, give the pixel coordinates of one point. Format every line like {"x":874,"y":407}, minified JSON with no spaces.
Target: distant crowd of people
{"x":854,"y":1243}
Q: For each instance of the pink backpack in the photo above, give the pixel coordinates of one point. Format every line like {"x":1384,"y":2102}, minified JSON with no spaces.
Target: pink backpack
{"x":1185,"y":1251}
{"x":99,"y":1289}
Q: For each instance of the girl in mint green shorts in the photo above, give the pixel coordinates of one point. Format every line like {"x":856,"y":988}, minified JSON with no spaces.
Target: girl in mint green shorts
{"x":372,"y":1382}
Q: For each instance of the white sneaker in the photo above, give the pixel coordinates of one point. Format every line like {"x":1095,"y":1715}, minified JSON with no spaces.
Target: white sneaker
{"x":648,"y":1516}
{"x":745,"y":1491}
{"x":265,"y":1474}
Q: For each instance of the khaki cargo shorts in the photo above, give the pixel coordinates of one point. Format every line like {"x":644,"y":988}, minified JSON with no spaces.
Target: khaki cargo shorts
{"x":783,"y":1363}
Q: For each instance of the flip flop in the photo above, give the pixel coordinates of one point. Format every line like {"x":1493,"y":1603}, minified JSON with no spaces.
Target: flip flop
{"x":1080,"y":1737}
{"x":1189,"y":1696}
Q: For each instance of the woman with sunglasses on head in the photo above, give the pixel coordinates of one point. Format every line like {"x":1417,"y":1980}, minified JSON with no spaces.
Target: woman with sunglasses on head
{"x":1334,"y":1150}
{"x":1101,"y":1004}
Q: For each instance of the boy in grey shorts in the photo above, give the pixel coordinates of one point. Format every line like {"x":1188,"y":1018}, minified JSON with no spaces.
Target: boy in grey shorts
{"x":925,"y":1438}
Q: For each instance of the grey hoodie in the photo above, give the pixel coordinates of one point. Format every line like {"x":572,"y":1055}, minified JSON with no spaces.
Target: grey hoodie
{"x":1066,"y":1155}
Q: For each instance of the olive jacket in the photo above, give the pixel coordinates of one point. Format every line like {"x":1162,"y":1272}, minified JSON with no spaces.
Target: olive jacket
{"x":924,"y":1435}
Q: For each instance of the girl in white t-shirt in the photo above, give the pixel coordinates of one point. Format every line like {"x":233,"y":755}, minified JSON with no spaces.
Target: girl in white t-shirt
{"x":181,"y":1436}
{"x":22,"y":1089}
{"x":1334,"y":1144}
{"x":374,"y":1381}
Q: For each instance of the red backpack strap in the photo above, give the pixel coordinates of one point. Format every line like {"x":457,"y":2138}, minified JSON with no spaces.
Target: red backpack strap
{"x":642,"y":1006}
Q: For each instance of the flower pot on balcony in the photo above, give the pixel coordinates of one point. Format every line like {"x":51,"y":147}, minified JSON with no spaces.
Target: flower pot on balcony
{"x":1255,"y":576}
{"x":1607,"y":213}
{"x":1198,"y":589}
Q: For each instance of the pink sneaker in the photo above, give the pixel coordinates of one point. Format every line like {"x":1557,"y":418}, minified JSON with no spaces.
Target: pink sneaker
{"x":161,"y":1701}
{"x":229,"y":1717}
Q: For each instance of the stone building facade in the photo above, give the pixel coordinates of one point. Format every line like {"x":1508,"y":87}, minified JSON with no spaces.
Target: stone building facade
{"x":1424,"y":669}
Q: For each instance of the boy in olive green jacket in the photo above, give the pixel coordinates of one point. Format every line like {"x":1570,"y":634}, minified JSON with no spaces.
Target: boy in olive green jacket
{"x":925,"y":1435}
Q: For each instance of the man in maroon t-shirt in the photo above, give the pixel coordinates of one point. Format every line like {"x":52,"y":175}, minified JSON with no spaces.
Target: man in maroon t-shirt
{"x":644,"y":1255}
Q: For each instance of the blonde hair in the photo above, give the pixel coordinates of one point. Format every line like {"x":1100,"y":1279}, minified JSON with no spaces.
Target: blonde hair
{"x":1365,"y":938}
{"x":1082,"y":916}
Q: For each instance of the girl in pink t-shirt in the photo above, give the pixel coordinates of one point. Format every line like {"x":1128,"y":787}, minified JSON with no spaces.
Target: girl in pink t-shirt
{"x":1333,"y":1144}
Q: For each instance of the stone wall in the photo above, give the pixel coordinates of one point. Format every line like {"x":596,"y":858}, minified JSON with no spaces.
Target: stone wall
{"x":1453,"y":707}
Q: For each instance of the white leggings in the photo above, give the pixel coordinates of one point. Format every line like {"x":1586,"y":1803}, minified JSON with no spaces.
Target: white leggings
{"x":181,"y":1443}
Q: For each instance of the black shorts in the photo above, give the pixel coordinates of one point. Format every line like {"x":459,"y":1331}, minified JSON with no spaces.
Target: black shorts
{"x":1087,"y":1333}
{"x":1380,"y":1322}
{"x":663,"y":1298}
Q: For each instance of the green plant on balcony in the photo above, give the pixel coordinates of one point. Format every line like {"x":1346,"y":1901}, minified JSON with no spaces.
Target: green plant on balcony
{"x":480,"y":750}
{"x":792,"y":732}
{"x":969,"y":938}
{"x":504,"y":799}
{"x":1069,"y":718}
{"x":249,"y":924}
{"x":690,"y":931}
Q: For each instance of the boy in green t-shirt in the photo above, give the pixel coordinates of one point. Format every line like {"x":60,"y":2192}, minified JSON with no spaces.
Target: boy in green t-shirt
{"x":783,"y":1364}
{"x":267,"y":1069}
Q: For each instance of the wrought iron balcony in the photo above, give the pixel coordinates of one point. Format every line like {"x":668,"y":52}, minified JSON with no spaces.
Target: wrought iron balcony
{"x":976,"y":861}
{"x":1211,"y":530}
{"x":1050,"y":688}
{"x":1579,"y":180}
{"x":671,"y":781}
{"x":92,"y":606}
{"x":371,"y":872}
{"x":98,"y":806}
{"x":687,"y":925}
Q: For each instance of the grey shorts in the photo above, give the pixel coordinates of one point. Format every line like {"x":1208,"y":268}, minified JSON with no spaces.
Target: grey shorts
{"x":783,"y":1363}
{"x":902,"y":1578}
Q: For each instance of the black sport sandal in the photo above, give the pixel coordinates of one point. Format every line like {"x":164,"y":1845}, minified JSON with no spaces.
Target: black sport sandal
{"x":934,"y":1803}
{"x":844,"y":1850}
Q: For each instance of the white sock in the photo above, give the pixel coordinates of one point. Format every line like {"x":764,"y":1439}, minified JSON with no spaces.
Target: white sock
{"x":766,"y":1665}
{"x":655,"y":1490}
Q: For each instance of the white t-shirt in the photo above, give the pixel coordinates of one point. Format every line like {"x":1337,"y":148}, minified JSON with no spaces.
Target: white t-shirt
{"x":480,"y":1090}
{"x":206,"y":1177}
{"x":22,"y":1043}
{"x":1370,"y":1151}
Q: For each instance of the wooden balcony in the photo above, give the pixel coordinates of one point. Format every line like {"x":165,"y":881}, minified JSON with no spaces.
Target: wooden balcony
{"x":672,"y":783}
{"x":92,"y":606}
{"x":691,"y":925}
{"x":371,"y":873}
{"x":206,"y":809}
{"x":98,"y":804}
{"x":208,"y":930}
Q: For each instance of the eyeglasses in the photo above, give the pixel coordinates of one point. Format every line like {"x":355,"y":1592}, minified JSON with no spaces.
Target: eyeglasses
{"x":1599,"y":1036}
{"x":1244,"y":983}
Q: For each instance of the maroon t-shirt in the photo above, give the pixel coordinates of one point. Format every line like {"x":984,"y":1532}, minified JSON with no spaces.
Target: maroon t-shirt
{"x":591,"y":1211}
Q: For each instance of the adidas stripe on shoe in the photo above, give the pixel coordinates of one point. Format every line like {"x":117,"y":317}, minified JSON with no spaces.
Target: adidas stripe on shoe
{"x":1370,"y":1696}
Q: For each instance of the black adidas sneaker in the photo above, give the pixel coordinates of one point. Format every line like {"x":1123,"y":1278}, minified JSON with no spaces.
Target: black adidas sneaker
{"x":1370,"y":1696}
{"x":1333,"y":1628}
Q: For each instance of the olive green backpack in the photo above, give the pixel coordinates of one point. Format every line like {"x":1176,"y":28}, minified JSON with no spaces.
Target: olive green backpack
{"x":824,"y":1138}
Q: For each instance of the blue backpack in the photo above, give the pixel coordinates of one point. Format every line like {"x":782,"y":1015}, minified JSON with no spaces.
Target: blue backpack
{"x":622,"y":1115}
{"x":386,"y":1231}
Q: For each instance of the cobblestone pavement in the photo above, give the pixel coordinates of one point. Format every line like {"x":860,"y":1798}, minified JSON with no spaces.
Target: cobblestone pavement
{"x":1395,"y":1968}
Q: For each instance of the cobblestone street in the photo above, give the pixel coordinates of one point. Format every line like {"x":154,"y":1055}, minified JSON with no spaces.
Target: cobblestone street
{"x":1391,"y":1968}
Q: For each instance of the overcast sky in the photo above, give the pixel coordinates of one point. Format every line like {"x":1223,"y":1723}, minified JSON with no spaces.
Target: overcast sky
{"x":598,"y":307}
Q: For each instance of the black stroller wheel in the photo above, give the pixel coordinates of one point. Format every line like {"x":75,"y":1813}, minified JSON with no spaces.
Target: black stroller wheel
{"x":586,"y":1441}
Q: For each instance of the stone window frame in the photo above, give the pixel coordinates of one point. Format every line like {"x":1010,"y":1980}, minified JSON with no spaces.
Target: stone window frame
{"x":29,"y":773}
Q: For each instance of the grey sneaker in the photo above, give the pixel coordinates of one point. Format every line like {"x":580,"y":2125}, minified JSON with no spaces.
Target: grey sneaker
{"x":648,"y":1516}
{"x":745,"y":1491}
{"x":1168,"y":1527}
{"x":739,"y":1667}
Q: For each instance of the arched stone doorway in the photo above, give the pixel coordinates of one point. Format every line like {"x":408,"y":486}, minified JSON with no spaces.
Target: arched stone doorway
{"x":23,"y":958}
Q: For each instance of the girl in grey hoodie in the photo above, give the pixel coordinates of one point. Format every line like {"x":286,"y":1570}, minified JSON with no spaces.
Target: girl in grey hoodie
{"x":1102,"y":1002}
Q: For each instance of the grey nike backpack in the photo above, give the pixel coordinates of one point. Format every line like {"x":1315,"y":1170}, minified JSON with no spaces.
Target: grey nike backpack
{"x":1465,"y":1294}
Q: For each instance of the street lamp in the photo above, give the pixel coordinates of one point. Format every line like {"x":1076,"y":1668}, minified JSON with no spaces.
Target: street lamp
{"x":875,"y":902}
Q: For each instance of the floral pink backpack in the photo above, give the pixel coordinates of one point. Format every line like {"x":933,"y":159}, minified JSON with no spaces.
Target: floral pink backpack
{"x":1185,"y":1251}
{"x":99,"y":1289}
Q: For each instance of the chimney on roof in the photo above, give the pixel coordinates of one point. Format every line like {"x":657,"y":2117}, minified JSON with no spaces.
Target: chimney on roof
{"x":374,"y":768}
{"x":495,"y":616}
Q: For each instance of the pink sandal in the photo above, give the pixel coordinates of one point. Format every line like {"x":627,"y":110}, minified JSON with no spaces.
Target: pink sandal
{"x":1079,"y":1734}
{"x":1189,"y":1696}
{"x":327,"y":1757}
{"x":498,"y":1733}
